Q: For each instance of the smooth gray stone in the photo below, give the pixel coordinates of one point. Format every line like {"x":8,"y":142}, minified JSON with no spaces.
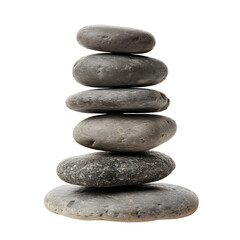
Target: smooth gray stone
{"x":105,"y":169}
{"x":118,"y":100}
{"x":116,"y":70}
{"x":129,"y":204}
{"x":115,"y":39}
{"x":124,"y":132}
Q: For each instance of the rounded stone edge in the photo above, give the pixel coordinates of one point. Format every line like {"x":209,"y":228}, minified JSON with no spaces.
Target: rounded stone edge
{"x":86,"y":83}
{"x":71,"y":101}
{"x":148,"y":34}
{"x":171,"y":165}
{"x":109,"y":218}
{"x":90,"y":142}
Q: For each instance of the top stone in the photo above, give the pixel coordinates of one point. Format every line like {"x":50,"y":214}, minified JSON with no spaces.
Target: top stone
{"x":115,"y":39}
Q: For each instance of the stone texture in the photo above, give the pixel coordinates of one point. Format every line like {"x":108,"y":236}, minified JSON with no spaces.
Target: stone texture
{"x":124,"y":132}
{"x":115,"y":39}
{"x":118,"y":100}
{"x":116,"y":70}
{"x":105,"y":169}
{"x":130,"y":204}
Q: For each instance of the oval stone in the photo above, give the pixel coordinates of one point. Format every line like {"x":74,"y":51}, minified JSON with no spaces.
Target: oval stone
{"x":115,"y":39}
{"x":116,"y":70}
{"x":105,"y":169}
{"x":118,"y":100}
{"x":128,"y":204}
{"x":124,"y":132}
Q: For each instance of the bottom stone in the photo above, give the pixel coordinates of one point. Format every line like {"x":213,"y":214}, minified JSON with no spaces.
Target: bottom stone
{"x":146,"y":202}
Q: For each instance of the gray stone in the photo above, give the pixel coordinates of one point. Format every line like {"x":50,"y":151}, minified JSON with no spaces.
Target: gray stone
{"x":116,"y":70}
{"x":105,"y":169}
{"x":118,"y":100}
{"x":124,"y":132}
{"x":129,"y":204}
{"x":115,"y":39}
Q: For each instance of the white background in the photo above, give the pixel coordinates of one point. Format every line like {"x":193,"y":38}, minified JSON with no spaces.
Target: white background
{"x":200,"y":43}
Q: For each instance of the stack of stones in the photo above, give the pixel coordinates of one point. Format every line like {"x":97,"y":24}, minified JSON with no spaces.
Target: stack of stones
{"x":112,"y":185}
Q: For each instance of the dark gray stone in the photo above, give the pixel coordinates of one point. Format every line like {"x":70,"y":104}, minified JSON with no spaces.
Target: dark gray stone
{"x":115,"y":70}
{"x":105,"y":169}
{"x":118,"y":100}
{"x":115,"y":39}
{"x":129,"y":204}
{"x":124,"y":132}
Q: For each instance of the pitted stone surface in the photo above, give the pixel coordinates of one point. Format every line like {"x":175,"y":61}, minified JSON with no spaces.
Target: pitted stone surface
{"x":115,"y":39}
{"x":124,"y":132}
{"x":118,"y":100}
{"x":118,"y":70}
{"x":105,"y":169}
{"x":130,"y":204}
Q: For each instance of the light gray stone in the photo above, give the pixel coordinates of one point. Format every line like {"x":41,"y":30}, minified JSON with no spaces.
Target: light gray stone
{"x":124,"y":132}
{"x":116,"y":70}
{"x":129,"y":204}
{"x":115,"y":39}
{"x":118,"y":100}
{"x":105,"y":169}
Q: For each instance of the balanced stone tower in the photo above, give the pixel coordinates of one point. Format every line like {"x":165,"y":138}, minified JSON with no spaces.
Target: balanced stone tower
{"x":115,"y":185}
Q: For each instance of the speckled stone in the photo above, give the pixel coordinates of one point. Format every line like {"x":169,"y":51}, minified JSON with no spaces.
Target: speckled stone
{"x":116,"y":70}
{"x":118,"y":100}
{"x":129,"y":204}
{"x":115,"y":39}
{"x":124,"y":132}
{"x":105,"y":169}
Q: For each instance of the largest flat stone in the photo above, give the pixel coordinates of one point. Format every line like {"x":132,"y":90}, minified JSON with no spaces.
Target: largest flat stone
{"x":130,"y":204}
{"x":124,"y":132}
{"x":118,"y":100}
{"x":115,"y":39}
{"x":105,"y":169}
{"x":116,"y":70}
